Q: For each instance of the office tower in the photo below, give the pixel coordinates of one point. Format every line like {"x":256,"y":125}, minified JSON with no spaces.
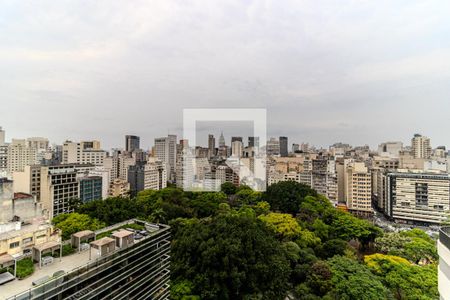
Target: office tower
{"x":237,"y":148}
{"x":295,"y":148}
{"x":273,"y":146}
{"x":117,"y":266}
{"x":90,"y":188}
{"x":2,"y":136}
{"x":166,"y":151}
{"x":420,"y":146}
{"x":131,"y":143}
{"x":136,"y":178}
{"x":236,"y":138}
{"x":20,"y":155}
{"x":155,"y":177}
{"x":390,"y":148}
{"x":357,"y":188}
{"x":443,"y":247}
{"x":417,"y":197}
{"x":84,"y":152}
{"x":283,"y":141}
{"x":221,"y":141}
{"x":211,"y":146}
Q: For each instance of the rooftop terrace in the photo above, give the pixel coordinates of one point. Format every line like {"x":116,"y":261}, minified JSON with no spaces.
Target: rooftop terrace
{"x":71,"y":263}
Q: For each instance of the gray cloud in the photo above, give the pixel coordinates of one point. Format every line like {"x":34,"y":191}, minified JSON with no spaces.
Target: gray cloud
{"x":102,"y":69}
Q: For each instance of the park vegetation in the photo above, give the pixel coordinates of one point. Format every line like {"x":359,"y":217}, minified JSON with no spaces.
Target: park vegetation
{"x":287,"y":241}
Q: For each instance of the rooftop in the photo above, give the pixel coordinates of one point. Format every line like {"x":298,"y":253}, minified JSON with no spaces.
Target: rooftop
{"x":36,"y":225}
{"x":72,"y":262}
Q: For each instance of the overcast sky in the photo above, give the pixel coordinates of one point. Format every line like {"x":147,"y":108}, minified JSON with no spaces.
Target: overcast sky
{"x":361,"y":72}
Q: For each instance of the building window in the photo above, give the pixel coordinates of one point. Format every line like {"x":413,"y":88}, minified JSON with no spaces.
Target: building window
{"x":14,"y":245}
{"x":27,"y":240}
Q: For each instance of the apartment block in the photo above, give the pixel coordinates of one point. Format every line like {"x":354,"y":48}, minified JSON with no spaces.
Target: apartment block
{"x":417,"y":197}
{"x":84,"y":152}
{"x":357,"y":188}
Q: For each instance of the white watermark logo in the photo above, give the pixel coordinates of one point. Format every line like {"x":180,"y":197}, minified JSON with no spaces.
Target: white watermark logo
{"x":250,"y":171}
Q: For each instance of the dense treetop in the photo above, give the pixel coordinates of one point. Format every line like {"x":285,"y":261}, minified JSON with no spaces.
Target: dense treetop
{"x":288,"y":241}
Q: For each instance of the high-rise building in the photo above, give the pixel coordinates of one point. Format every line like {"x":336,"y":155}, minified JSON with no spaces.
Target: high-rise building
{"x":131,"y":143}
{"x":20,"y":155}
{"x":273,"y":146}
{"x":236,"y":138}
{"x":118,"y":164}
{"x":211,"y":146}
{"x":155,"y":177}
{"x":283,"y":141}
{"x":420,"y":146}
{"x":357,"y":188}
{"x":166,"y":151}
{"x":417,"y":197}
{"x":237,"y":148}
{"x":136,"y":178}
{"x":84,"y":152}
{"x":295,"y":148}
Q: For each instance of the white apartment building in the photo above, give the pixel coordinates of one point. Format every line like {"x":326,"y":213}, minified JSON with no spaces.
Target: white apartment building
{"x":155,"y":176}
{"x":118,"y":165}
{"x":166,"y":151}
{"x":417,"y":197}
{"x":420,"y":146}
{"x":357,"y":188}
{"x":84,"y":152}
{"x":20,"y":155}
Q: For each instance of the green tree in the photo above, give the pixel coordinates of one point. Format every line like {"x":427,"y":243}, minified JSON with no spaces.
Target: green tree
{"x":230,"y":256}
{"x":228,"y":188}
{"x":352,"y":280}
{"x":74,"y":222}
{"x":112,"y":210}
{"x":404,"y":279}
{"x":287,"y":196}
{"x":262,"y":208}
{"x":284,"y":225}
{"x":347,"y":227}
{"x":207,"y":204}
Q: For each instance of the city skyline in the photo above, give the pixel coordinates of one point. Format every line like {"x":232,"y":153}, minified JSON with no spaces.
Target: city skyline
{"x":358,"y":73}
{"x":203,"y":140}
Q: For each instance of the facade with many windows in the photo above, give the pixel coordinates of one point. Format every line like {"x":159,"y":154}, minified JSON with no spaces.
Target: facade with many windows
{"x":417,"y":197}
